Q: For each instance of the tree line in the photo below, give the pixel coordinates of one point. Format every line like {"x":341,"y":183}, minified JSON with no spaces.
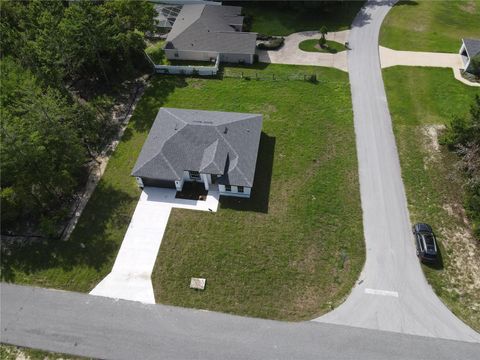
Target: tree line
{"x":49,"y":131}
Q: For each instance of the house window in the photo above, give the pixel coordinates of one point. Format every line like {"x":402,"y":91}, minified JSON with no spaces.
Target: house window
{"x":228,"y":188}
{"x":240,"y":189}
{"x":194,"y":175}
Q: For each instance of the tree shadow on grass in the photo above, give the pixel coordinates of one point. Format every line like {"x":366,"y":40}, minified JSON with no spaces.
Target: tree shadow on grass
{"x":259,"y":198}
{"x":155,"y":96}
{"x":89,"y":245}
{"x":304,"y":15}
{"x":406,"y":2}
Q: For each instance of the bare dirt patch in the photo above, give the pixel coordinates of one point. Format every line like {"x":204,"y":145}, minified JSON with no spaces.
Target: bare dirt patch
{"x":461,"y":271}
{"x":431,"y":144}
{"x":469,"y":7}
{"x":419,"y":28}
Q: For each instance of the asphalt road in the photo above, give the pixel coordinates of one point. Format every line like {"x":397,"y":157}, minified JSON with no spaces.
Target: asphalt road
{"x":392,"y":293}
{"x":99,"y":327}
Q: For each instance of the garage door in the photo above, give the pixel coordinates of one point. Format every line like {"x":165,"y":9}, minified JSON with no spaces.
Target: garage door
{"x":158,"y":183}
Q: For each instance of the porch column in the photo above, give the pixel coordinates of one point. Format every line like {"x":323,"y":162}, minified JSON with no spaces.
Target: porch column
{"x":205,"y":178}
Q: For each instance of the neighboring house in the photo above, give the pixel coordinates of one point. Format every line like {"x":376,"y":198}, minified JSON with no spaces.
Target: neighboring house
{"x":202,"y":32}
{"x":166,"y":15}
{"x":470,"y":52}
{"x":209,"y":147}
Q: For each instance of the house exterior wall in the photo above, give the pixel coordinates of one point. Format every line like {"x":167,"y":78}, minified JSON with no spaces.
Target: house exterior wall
{"x":237,"y":58}
{"x":207,"y":56}
{"x":234,"y":192}
{"x":190,"y":55}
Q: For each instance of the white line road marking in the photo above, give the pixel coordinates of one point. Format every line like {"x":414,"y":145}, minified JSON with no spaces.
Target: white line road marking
{"x":381,"y":292}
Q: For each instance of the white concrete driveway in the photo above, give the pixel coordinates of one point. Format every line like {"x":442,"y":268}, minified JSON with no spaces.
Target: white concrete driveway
{"x":130,"y":278}
{"x":291,"y":54}
{"x":389,"y":57}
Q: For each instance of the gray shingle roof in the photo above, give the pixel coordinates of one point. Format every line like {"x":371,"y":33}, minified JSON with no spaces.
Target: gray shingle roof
{"x":211,"y":142}
{"x":211,"y":28}
{"x":472,"y":46}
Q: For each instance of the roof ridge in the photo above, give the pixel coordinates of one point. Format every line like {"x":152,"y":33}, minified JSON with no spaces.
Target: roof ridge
{"x":234,"y":151}
{"x":161,"y":149}
{"x":164,"y":158}
{"x":175,"y":116}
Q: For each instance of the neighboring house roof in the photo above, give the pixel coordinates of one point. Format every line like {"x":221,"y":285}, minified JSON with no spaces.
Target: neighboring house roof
{"x":472,"y":46}
{"x":211,"y":28}
{"x":210,"y":142}
{"x":166,"y":14}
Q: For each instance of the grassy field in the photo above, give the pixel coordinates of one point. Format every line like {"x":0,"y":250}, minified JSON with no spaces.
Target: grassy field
{"x":421,"y":100}
{"x":296,"y":247}
{"x":312,"y":46}
{"x":291,"y":252}
{"x":271,"y":19}
{"x":431,"y":25}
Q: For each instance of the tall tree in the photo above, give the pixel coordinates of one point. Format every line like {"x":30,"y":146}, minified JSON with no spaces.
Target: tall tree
{"x":40,"y":151}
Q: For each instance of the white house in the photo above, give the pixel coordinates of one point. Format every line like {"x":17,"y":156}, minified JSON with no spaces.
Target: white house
{"x":209,"y":147}
{"x":470,"y":49}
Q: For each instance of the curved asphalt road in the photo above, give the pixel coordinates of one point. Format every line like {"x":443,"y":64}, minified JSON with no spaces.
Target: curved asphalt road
{"x":392,"y":293}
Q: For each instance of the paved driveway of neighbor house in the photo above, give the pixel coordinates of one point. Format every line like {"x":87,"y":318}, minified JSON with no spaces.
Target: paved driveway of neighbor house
{"x":130,"y":278}
{"x":291,"y":54}
{"x":389,"y":57}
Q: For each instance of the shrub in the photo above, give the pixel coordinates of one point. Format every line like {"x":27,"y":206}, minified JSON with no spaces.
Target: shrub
{"x":272,"y":44}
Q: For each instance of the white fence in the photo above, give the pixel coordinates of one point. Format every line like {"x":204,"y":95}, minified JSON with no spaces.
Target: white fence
{"x":186,"y":69}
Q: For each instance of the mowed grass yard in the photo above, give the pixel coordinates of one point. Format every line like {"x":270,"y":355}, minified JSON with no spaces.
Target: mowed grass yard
{"x":296,"y":247}
{"x":427,"y":25}
{"x":291,"y":252}
{"x":270,"y":18}
{"x":420,"y":99}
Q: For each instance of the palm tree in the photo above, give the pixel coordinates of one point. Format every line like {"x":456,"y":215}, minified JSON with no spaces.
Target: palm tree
{"x":324,"y":31}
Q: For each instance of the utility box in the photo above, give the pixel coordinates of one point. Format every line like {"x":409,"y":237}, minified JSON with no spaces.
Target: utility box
{"x":198,"y":283}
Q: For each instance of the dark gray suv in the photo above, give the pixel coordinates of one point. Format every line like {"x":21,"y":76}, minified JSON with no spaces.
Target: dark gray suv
{"x":426,"y":242}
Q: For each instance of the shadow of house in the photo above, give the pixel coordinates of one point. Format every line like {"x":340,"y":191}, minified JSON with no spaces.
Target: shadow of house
{"x":259,"y":199}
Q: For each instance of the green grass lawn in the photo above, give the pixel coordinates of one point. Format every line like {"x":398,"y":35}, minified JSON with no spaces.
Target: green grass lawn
{"x":431,"y":25}
{"x":297,"y":245}
{"x":156,"y":52}
{"x":11,"y":352}
{"x":312,"y":46}
{"x":271,"y":19}
{"x":289,"y":252}
{"x":419,"y":98}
